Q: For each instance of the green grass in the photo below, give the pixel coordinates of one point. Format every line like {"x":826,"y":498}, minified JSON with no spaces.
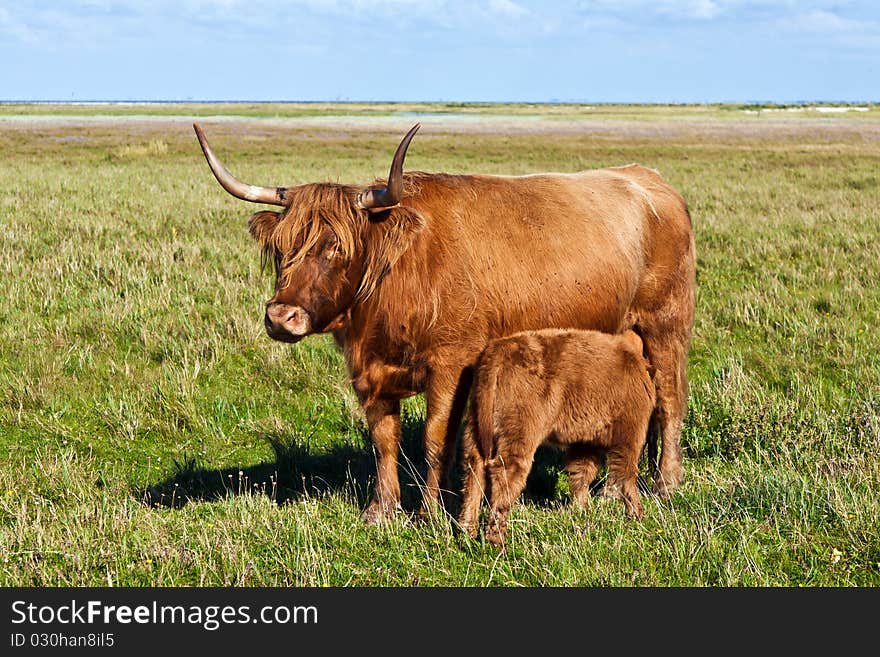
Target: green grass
{"x":150,"y":434}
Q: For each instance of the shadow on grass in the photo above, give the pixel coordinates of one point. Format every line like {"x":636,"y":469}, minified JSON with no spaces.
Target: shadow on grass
{"x":300,"y":469}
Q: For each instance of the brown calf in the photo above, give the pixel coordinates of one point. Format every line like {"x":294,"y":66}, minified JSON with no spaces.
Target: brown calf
{"x":588,"y":392}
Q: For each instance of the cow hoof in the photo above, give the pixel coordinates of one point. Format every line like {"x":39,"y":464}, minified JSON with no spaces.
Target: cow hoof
{"x":469,"y":529}
{"x":496,"y":533}
{"x":634,"y":511}
{"x":610,"y":492}
{"x":496,"y":538}
{"x":427,"y":515}
{"x":378,"y":513}
{"x":431,"y":509}
{"x":665,"y":485}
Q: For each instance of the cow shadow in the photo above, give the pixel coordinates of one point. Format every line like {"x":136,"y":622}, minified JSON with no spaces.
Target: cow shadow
{"x":300,"y":469}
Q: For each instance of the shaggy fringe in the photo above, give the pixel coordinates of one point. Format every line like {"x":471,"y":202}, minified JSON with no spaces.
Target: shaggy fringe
{"x":287,"y":238}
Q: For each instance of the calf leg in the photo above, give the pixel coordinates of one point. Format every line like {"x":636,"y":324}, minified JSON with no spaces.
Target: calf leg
{"x":474,"y":489}
{"x":383,"y":418}
{"x":508,"y":471}
{"x":582,"y":463}
{"x":506,"y":483}
{"x":623,"y":465}
{"x":622,"y":482}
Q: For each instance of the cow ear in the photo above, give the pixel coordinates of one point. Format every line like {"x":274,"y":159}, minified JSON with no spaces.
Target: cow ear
{"x":261,"y":226}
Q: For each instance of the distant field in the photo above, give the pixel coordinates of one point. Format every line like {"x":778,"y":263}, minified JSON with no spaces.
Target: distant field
{"x":150,"y":434}
{"x":546,"y":111}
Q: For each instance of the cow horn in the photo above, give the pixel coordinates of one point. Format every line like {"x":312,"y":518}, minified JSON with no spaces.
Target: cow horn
{"x":371,"y":199}
{"x":271,"y":195}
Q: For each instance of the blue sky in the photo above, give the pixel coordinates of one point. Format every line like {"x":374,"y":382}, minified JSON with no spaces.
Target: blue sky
{"x":408,"y":50}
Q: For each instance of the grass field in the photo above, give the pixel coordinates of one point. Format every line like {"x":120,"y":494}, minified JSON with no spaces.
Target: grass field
{"x":150,"y":434}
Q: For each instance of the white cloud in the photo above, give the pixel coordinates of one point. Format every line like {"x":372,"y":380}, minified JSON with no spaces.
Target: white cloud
{"x":679,"y":8}
{"x":825,"y":21}
{"x":507,"y":8}
{"x":740,"y":10}
{"x":688,"y":9}
{"x":704,"y":9}
{"x":312,"y":23}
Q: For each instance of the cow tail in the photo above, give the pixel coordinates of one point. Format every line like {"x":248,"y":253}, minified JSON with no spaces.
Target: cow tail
{"x":487,"y":381}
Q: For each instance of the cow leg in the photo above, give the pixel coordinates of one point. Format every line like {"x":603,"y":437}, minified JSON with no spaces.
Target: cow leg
{"x":446,"y":401}
{"x":668,"y":355}
{"x":582,"y":463}
{"x":474,"y":489}
{"x":383,"y":418}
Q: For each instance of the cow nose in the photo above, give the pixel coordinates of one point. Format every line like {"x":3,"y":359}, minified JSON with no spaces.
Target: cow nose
{"x":280,"y":313}
{"x":284,"y":321}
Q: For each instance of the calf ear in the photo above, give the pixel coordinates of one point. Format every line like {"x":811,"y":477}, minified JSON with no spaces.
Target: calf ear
{"x":261,"y":226}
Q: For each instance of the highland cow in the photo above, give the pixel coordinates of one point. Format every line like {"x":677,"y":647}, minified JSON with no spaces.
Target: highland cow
{"x":588,"y":392}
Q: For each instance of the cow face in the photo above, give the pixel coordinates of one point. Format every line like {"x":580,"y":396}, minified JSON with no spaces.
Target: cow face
{"x":313,"y":242}
{"x":316,"y":278}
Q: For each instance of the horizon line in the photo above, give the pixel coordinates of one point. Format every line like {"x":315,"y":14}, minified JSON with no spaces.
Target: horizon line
{"x":133,"y":101}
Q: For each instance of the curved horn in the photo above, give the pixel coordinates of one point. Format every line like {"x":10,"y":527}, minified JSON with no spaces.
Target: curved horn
{"x":370,"y":199}
{"x":271,"y":195}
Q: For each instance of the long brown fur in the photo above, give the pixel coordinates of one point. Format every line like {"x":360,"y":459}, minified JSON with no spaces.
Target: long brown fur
{"x":588,"y":392}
